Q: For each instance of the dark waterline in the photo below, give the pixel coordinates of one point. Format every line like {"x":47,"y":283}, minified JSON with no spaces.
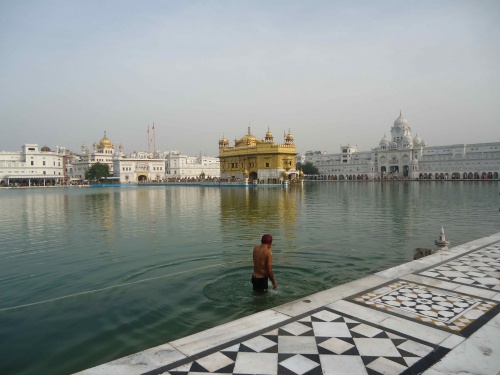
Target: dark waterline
{"x":91,"y":275}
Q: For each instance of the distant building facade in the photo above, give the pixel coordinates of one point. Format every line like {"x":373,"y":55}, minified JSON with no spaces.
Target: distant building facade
{"x":403,"y":156}
{"x":33,"y":166}
{"x":262,"y":161}
{"x":179,"y":166}
{"x":103,"y":152}
{"x":138,"y":167}
{"x":164,"y":166}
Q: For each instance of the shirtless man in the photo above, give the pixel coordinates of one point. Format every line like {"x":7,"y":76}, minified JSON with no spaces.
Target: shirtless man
{"x":263,"y":265}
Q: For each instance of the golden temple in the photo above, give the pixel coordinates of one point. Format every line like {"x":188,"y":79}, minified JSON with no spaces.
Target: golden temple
{"x":258,"y":161}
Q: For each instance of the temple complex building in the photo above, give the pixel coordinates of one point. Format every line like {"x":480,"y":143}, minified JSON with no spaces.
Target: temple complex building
{"x":143,"y":166}
{"x":259,"y":161}
{"x":164,"y":166}
{"x":179,"y":166}
{"x":137,"y":168}
{"x":33,"y":166}
{"x":103,"y":152}
{"x":402,"y":156}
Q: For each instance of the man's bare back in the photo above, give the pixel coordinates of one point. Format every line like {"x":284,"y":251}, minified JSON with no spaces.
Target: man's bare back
{"x":263,"y":261}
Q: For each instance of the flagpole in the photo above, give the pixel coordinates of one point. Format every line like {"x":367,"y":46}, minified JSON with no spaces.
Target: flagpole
{"x":149,"y":142}
{"x":154,"y":140}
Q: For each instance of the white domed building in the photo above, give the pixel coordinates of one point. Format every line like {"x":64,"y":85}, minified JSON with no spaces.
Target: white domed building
{"x":403,"y":156}
{"x":103,"y":152}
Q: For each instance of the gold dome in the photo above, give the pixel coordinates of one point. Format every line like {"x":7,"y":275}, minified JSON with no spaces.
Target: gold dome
{"x":289,"y":137}
{"x":269,"y":134}
{"x":247,"y":140}
{"x":105,"y":142}
{"x":223,"y":141}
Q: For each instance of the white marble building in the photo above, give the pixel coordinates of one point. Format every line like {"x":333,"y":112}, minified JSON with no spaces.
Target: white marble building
{"x":402,"y":156}
{"x":164,"y":166}
{"x":103,"y":152}
{"x":139,"y":167}
{"x":179,"y":166}
{"x":33,"y":166}
{"x":143,"y":166}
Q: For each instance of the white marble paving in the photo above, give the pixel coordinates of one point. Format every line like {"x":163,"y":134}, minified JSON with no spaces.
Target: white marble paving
{"x":452,"y":341}
{"x":331,"y":329}
{"x":361,"y":312}
{"x":479,"y":355}
{"x":256,"y":363}
{"x":386,"y":366}
{"x":367,"y":330}
{"x":416,"y":330}
{"x":297,"y":344}
{"x":495,"y":322}
{"x":325,"y":315}
{"x":138,"y":363}
{"x":328,"y":296}
{"x":483,"y":293}
{"x":299,"y":364}
{"x":408,"y":327}
{"x":342,"y":365}
{"x":431,"y":282}
{"x":376,"y":347}
{"x":217,"y":336}
{"x":336,"y":346}
{"x":416,"y":348}
{"x":215,"y":361}
{"x":296,"y":328}
{"x":340,"y":344}
{"x":479,"y":268}
{"x":259,"y":343}
{"x":426,"y":262}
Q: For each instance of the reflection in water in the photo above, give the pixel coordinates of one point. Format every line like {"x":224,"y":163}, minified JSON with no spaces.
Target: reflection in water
{"x":253,"y":212}
{"x":111,"y":271}
{"x":101,"y":209}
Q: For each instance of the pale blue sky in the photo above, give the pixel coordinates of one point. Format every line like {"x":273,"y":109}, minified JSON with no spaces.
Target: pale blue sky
{"x":333,"y":72}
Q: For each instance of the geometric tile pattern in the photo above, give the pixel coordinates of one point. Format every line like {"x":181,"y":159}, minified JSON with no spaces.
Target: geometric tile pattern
{"x":324,"y":342}
{"x":480,"y":268}
{"x":435,"y":307}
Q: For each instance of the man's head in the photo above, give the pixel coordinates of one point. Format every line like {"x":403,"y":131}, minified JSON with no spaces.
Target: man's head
{"x":267,"y":239}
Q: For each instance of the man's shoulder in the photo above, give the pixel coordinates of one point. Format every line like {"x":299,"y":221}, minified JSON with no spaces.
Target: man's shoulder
{"x":262,"y":249}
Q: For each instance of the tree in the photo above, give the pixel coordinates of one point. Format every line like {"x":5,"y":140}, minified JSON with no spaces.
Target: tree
{"x":97,"y":171}
{"x":308,"y":168}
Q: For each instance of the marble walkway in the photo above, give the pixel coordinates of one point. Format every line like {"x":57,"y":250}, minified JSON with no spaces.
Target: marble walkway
{"x":435,"y":315}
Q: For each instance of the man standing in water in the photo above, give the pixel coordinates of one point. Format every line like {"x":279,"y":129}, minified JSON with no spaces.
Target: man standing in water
{"x":263,"y":265}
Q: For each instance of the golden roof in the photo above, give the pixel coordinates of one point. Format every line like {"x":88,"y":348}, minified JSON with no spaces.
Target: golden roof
{"x":247,"y":139}
{"x":105,"y":142}
{"x":269,"y":134}
{"x":223,"y":141}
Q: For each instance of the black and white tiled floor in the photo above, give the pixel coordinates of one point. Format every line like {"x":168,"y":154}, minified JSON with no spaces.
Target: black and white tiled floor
{"x":479,"y":268}
{"x":324,"y":342}
{"x":459,"y":313}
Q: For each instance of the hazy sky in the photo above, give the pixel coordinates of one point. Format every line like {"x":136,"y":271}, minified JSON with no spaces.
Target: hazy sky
{"x":333,"y":72}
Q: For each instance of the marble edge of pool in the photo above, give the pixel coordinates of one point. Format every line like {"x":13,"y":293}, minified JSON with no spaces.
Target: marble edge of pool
{"x":182,"y":348}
